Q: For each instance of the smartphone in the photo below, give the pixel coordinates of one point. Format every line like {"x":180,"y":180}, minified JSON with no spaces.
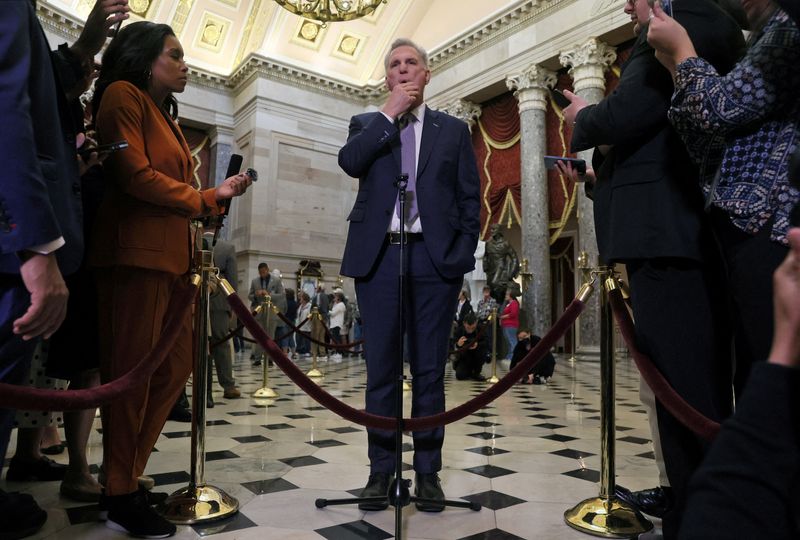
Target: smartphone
{"x":560,"y":99}
{"x":103,"y":148}
{"x":577,"y":164}
{"x":666,"y":5}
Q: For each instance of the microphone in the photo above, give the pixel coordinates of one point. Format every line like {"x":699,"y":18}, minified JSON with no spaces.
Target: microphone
{"x":234,"y":165}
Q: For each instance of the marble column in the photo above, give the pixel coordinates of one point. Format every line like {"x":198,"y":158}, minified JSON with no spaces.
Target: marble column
{"x":220,"y":144}
{"x":531,"y":89}
{"x":588,"y":64}
{"x":464,"y":110}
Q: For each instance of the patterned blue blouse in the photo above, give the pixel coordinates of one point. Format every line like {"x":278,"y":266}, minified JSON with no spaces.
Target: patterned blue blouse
{"x":745,"y":125}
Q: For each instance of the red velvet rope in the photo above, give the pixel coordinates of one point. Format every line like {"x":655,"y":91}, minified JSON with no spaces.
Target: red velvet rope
{"x":38,"y":399}
{"x":412,"y":424}
{"x":667,"y":396}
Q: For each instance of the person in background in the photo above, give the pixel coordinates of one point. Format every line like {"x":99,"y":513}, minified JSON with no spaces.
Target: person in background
{"x":471,"y":349}
{"x":336,"y":324}
{"x":509,"y":322}
{"x":288,"y":343}
{"x":542,"y":372}
{"x":303,"y":312}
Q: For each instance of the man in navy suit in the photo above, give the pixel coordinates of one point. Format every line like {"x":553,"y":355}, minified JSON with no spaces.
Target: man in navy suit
{"x":442,"y":224}
{"x":40,"y":201}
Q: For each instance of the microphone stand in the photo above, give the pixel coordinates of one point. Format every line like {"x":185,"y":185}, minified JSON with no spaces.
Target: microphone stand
{"x":398,"y":494}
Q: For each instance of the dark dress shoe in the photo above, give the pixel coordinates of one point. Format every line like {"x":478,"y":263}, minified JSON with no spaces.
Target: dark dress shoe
{"x":209,"y":402}
{"x":377,"y":486}
{"x":20,"y":516}
{"x":43,"y":470}
{"x":180,"y":414}
{"x":428,"y":486}
{"x":654,"y":502}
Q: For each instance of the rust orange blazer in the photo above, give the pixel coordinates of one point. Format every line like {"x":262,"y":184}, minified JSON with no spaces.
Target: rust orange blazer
{"x":144,"y":218}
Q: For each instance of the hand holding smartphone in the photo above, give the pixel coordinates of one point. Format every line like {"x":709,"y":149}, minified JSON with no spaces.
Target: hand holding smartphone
{"x":577,"y":164}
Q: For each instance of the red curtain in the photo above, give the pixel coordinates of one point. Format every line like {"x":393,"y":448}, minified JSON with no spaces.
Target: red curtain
{"x":495,"y":139}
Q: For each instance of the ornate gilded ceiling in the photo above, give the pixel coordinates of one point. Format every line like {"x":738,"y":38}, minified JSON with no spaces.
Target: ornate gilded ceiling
{"x":218,"y":35}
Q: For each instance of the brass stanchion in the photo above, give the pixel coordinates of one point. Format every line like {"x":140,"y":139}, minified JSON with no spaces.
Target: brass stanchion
{"x":606,"y":515}
{"x":316,"y":321}
{"x":493,"y":319}
{"x":199,"y":502}
{"x":265,"y":391}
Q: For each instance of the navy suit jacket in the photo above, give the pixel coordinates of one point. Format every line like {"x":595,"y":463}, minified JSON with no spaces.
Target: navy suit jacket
{"x":447,"y":191}
{"x":39,"y":185}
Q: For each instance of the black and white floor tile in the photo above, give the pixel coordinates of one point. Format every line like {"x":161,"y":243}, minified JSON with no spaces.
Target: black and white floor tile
{"x":526,"y":458}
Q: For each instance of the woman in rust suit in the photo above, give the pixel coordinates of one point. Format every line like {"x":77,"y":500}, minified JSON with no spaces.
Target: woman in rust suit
{"x":141,"y":252}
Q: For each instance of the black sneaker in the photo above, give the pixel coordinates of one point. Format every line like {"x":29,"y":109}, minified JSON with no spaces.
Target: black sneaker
{"x":132,"y":514}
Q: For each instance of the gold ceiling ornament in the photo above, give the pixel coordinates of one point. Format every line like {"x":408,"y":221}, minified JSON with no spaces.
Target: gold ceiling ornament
{"x":327,"y":11}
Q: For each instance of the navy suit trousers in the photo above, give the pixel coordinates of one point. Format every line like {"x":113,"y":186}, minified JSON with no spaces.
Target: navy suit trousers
{"x":15,"y":354}
{"x":430,"y":299}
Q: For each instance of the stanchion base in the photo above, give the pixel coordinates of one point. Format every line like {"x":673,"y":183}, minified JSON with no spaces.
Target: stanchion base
{"x":198,"y":504}
{"x":609,"y":518}
{"x":265,"y":393}
{"x":493,"y":379}
{"x":314,"y":373}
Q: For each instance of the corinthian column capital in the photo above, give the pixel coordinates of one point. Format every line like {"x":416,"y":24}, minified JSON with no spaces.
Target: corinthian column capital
{"x":464,"y":110}
{"x":588,"y":64}
{"x":531,"y":86}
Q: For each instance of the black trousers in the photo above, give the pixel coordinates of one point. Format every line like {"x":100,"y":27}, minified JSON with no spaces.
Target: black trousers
{"x":750,"y":261}
{"x":679,"y":310}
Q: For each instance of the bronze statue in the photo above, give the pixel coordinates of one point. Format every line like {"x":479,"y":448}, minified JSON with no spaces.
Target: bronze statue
{"x":500,"y":263}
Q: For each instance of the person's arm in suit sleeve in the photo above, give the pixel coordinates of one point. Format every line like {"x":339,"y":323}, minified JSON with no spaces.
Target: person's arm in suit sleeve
{"x":121,"y":116}
{"x":27,"y":218}
{"x":468,"y":191}
{"x":634,"y":109}
{"x":365,"y":143}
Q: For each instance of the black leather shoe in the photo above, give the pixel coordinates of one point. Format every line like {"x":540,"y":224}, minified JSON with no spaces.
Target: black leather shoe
{"x":377,"y":486}
{"x":20,"y":516}
{"x":428,"y":486}
{"x":43,"y":470}
{"x":180,"y":414}
{"x":654,"y":502}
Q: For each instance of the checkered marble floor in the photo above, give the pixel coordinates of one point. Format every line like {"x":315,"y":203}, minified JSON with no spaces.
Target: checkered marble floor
{"x":526,"y":458}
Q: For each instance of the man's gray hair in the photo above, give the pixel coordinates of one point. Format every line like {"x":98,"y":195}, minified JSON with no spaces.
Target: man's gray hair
{"x":405,"y":42}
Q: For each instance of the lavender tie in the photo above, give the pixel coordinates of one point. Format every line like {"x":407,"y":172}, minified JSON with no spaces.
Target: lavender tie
{"x":408,"y":163}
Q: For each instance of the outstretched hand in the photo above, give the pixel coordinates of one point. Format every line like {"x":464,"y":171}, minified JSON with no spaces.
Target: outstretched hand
{"x":669,"y":38}
{"x":104,"y":15}
{"x":576,"y":105}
